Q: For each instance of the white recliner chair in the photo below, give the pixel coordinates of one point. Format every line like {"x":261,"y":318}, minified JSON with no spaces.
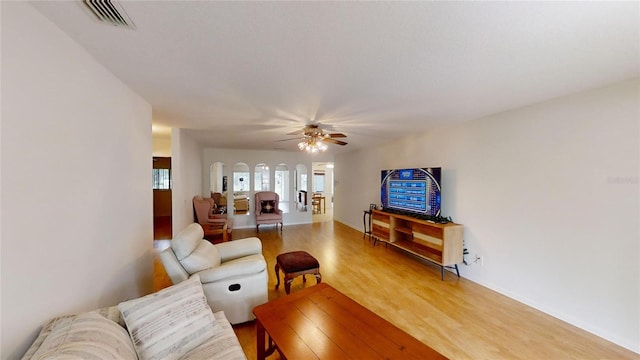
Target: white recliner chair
{"x":233,"y":274}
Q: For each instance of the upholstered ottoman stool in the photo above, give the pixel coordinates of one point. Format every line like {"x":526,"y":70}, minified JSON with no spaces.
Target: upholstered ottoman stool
{"x":294,"y":264}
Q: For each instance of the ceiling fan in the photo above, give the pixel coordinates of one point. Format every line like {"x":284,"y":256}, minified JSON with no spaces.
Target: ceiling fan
{"x":313,"y":133}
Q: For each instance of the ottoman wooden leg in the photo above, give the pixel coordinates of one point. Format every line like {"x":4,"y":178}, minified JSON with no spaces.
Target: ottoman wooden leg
{"x":287,"y":285}
{"x":318,"y":278}
{"x":277,"y":275}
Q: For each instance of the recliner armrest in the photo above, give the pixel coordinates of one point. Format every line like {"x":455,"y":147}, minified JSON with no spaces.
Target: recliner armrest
{"x":239,"y":248}
{"x":249,"y":266}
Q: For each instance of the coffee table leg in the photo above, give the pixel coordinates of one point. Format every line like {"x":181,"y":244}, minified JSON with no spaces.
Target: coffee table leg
{"x":261,"y":349}
{"x":277,"y":275}
{"x":260,"y":345}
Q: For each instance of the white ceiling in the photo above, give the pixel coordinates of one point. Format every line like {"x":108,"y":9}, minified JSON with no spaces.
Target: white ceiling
{"x":244,"y":74}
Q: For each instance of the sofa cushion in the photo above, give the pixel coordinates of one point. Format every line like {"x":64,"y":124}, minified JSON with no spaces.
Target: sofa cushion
{"x":205,"y":256}
{"x":85,"y":336}
{"x":187,"y":240}
{"x":112,"y":313}
{"x":170,"y":323}
{"x":225,"y":345}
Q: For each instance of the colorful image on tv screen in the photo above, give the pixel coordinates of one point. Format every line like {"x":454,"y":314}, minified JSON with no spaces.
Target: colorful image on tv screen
{"x":414,"y":190}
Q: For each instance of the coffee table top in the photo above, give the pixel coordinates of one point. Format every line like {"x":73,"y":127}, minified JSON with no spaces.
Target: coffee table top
{"x":320,"y":322}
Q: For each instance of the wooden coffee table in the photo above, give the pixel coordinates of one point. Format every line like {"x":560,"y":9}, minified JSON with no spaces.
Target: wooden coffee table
{"x":320,"y":322}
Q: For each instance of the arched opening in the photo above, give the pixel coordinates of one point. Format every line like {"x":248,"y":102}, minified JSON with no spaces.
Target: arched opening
{"x":241,"y":187}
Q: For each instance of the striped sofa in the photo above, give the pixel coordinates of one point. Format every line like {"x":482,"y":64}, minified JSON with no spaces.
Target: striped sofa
{"x":174,"y":323}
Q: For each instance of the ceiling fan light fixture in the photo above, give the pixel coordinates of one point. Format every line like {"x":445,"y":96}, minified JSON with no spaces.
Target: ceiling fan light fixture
{"x":314,"y":139}
{"x":312,"y":145}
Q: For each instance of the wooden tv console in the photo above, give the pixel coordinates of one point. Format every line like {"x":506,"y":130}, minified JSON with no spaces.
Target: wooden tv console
{"x":438,"y":243}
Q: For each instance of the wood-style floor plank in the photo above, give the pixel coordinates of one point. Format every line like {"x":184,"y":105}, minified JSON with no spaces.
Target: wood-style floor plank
{"x":456,"y":317}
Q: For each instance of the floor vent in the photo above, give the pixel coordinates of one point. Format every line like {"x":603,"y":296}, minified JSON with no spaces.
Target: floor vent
{"x":110,"y":12}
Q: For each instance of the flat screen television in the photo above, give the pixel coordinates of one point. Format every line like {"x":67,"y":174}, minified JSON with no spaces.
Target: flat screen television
{"x":414,"y":191}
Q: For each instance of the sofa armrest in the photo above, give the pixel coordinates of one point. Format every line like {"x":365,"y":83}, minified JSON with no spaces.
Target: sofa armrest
{"x":239,"y":248}
{"x":247,"y":266}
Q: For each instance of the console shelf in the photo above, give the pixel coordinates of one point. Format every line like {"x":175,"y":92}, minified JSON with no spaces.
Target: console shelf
{"x":405,"y":230}
{"x":438,"y":243}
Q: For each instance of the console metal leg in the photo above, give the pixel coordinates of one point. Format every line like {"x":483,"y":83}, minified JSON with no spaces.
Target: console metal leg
{"x":367,"y":230}
{"x":364,"y":224}
{"x":451,"y":267}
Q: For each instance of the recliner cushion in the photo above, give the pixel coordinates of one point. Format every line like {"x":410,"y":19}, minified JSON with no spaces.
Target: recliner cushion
{"x":187,"y":240}
{"x":205,"y":256}
{"x":245,"y":266}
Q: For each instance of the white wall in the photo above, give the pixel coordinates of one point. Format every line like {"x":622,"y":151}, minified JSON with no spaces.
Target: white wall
{"x":253,"y":157}
{"x":77,"y":228}
{"x":186,"y":170}
{"x":548,"y":194}
{"x":216,"y":177}
{"x":161,"y":146}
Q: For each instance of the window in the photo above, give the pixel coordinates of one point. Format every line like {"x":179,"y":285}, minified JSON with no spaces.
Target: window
{"x":241,"y":188}
{"x":241,"y":181}
{"x":241,"y":177}
{"x":161,"y":179}
{"x":282,"y":186}
{"x":261,"y":178}
{"x":318,"y":182}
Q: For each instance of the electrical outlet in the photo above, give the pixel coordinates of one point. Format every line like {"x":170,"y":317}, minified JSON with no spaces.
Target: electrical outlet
{"x":478,"y":259}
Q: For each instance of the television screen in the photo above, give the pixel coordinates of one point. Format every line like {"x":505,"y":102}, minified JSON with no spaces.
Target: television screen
{"x":412,"y":190}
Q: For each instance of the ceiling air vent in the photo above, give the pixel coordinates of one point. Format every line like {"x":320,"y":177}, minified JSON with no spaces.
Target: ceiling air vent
{"x":110,"y":12}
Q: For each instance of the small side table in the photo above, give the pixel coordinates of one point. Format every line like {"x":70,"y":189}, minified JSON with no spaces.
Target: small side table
{"x":367,"y":225}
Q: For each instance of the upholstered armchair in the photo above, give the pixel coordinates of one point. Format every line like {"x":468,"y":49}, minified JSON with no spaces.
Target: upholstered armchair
{"x":218,"y":202}
{"x":267,"y":210}
{"x":233,"y":274}
{"x":215,"y":226}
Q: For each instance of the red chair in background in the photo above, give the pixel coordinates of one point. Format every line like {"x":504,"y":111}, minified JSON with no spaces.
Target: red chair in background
{"x":217,"y":227}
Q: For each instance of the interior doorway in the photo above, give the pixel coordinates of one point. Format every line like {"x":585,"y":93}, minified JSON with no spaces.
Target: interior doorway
{"x":162,"y":228}
{"x":322,"y":194}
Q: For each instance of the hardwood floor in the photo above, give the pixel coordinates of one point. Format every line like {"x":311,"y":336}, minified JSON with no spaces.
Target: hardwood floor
{"x":456,"y":317}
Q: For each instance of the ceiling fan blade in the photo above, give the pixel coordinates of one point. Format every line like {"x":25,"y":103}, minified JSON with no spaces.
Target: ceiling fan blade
{"x":297,"y":132}
{"x":336,"y":135}
{"x":296,"y":138}
{"x":334,"y":141}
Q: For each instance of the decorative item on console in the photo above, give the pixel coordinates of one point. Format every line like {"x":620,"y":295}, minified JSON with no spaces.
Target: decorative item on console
{"x":433,"y":218}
